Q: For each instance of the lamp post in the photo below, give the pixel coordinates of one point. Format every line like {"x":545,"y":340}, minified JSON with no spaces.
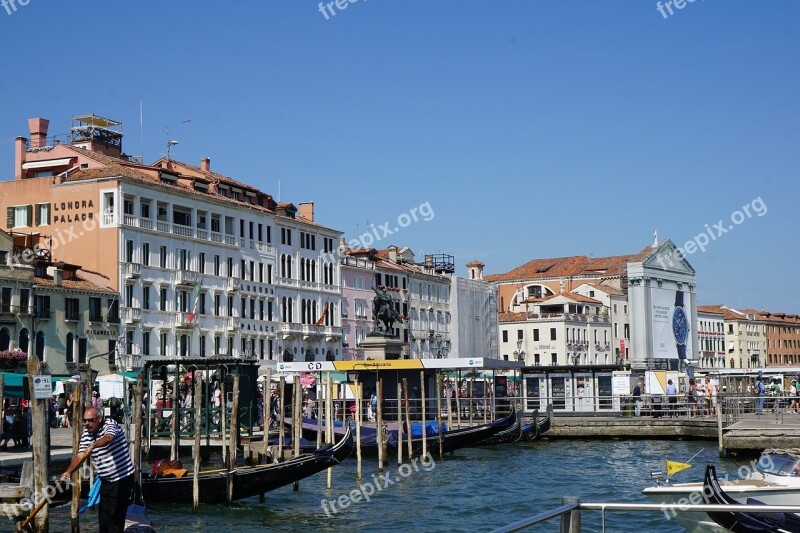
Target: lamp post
{"x":519,"y":353}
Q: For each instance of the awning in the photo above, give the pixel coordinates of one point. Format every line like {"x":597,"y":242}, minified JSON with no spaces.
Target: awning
{"x":48,"y":163}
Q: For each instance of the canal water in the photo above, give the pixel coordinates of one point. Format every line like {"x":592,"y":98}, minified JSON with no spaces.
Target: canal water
{"x":474,"y":490}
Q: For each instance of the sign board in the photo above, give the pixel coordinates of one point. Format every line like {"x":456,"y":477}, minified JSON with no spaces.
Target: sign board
{"x":621,"y":383}
{"x":42,"y":387}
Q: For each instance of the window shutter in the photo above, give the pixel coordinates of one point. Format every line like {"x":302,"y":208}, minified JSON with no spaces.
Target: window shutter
{"x":29,"y":218}
{"x":38,"y":217}
{"x":10,"y":217}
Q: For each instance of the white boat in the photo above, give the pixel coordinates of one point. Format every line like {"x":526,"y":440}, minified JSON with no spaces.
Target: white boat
{"x":773,"y":480}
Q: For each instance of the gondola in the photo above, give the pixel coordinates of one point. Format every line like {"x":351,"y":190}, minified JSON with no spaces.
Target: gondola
{"x":512,"y":434}
{"x":542,"y":426}
{"x":741,"y":521}
{"x":452,"y":440}
{"x":247,"y":481}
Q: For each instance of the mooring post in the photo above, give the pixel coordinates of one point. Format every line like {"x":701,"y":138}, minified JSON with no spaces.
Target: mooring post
{"x":198,"y":393}
{"x":281,"y":415}
{"x":77,"y":430}
{"x":176,"y":424}
{"x":408,"y":420}
{"x":234,"y":434}
{"x":571,"y":520}
{"x":297,"y":421}
{"x":358,"y":429}
{"x":399,"y":424}
{"x":41,"y":441}
{"x":439,"y":412}
{"x":381,"y":440}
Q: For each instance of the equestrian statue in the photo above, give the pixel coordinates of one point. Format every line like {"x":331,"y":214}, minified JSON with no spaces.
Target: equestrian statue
{"x":383,"y":310}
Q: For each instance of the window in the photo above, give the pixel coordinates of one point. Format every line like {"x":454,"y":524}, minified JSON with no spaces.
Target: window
{"x":230,"y":267}
{"x":129,"y":296}
{"x":83,"y":347}
{"x":554,"y":358}
{"x":129,"y":251}
{"x":162,"y":344}
{"x":519,"y":334}
{"x":162,"y":299}
{"x":95,"y":310}
{"x":201,"y":262}
{"x":146,"y":253}
{"x":145,"y":208}
{"x":505,"y":335}
{"x":202,"y":346}
{"x":42,"y":214}
{"x":536,"y":335}
{"x":5,"y":300}
{"x":20,"y":216}
{"x":552,"y":334}
{"x":216,"y":265}
{"x":162,"y":259}
{"x":217,"y":305}
{"x":71,"y":309}
{"x":146,"y":343}
{"x":24,"y":301}
{"x":70,"y":346}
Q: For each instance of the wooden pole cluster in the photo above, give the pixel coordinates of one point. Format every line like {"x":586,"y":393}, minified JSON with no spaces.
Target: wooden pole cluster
{"x":450,"y":406}
{"x":198,"y":407}
{"x":223,"y":428}
{"x":457,"y":393}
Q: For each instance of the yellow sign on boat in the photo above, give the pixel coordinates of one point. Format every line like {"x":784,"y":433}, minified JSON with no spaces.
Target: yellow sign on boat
{"x":673,"y":467}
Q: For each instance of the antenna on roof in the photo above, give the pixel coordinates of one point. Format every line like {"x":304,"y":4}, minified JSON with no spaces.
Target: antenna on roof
{"x":170,"y":144}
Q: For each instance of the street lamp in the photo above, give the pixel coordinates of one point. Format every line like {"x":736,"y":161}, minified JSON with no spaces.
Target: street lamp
{"x":519,"y":353}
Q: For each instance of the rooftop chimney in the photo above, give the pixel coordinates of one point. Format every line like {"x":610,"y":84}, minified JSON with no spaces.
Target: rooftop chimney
{"x":19,"y":156}
{"x":205,"y":164}
{"x":38,"y":128}
{"x":307,"y":211}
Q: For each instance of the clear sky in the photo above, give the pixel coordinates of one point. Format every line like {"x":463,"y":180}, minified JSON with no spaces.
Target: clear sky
{"x":531,"y":128}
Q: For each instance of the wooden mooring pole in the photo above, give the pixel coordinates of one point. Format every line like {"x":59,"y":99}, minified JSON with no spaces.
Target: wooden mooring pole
{"x":408,"y":421}
{"x":175,"y":426}
{"x":198,"y":407}
{"x":329,"y":418}
{"x":297,"y":421}
{"x":358,"y":430}
{"x":281,"y":416}
{"x":223,"y":428}
{"x":424,"y":401}
{"x":399,"y":424}
{"x":41,"y":442}
{"x":233,"y":439}
{"x":77,"y":429}
{"x":439,"y":412}
{"x":381,"y":432}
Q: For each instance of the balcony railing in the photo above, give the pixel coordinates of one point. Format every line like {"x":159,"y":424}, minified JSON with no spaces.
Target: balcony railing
{"x":132,"y":270}
{"x":231,"y":323}
{"x":131,"y":314}
{"x":185,"y":320}
{"x":185,"y":277}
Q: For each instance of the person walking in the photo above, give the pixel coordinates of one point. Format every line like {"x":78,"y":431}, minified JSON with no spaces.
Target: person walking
{"x":760,"y":390}
{"x":104,"y":441}
{"x":672,"y":398}
{"x":637,"y":399}
{"x":793,"y":396}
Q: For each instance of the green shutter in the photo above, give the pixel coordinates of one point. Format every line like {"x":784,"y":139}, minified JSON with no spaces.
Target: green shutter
{"x":10,"y":217}
{"x":38,"y":217}
{"x":29,"y":209}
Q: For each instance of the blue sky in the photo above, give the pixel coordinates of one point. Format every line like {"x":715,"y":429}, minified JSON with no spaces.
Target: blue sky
{"x":532,"y":128}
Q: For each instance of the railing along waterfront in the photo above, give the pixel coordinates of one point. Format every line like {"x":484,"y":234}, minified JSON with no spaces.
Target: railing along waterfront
{"x":570,"y":512}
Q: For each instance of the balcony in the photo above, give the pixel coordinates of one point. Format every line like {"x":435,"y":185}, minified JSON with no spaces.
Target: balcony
{"x":290,"y":329}
{"x":131,"y":270}
{"x":185,"y":277}
{"x":287,"y":282}
{"x":185,"y":231}
{"x":131,"y":315}
{"x":265,"y":248}
{"x":332,"y":333}
{"x":231,"y":323}
{"x":185,"y":320}
{"x":232,"y":285}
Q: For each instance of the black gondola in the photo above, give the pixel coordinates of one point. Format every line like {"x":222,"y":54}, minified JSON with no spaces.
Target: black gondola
{"x":248,"y":481}
{"x":451,"y":440}
{"x":741,"y":521}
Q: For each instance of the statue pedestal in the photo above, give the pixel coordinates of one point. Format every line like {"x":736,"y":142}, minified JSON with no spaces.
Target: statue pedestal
{"x":379,"y":347}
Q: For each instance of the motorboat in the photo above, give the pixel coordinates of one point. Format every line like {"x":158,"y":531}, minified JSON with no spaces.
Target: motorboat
{"x":772,"y":480}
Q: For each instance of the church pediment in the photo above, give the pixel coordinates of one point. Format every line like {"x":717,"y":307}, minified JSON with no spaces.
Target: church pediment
{"x":668,"y":258}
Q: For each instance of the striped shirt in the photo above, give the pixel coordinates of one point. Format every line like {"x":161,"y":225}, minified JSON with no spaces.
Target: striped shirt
{"x":112,"y":462}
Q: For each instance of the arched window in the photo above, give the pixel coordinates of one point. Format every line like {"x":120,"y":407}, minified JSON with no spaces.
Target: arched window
{"x":5,"y":339}
{"x":39,"y":346}
{"x":23,"y":340}
{"x":70,"y":346}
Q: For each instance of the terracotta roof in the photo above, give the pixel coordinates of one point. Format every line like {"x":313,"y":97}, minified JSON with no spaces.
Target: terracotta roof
{"x":512,"y":317}
{"x":475,"y":263}
{"x":613,"y":291}
{"x":713,"y":309}
{"x":574,"y":266}
{"x":73,"y":284}
{"x":209,"y":174}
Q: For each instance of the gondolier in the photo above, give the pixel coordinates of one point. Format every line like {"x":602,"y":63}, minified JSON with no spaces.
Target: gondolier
{"x":105,"y":442}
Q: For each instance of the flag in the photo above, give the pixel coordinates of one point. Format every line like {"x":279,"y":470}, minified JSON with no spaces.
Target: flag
{"x":322,"y":318}
{"x":673,"y":467}
{"x":193,"y":314}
